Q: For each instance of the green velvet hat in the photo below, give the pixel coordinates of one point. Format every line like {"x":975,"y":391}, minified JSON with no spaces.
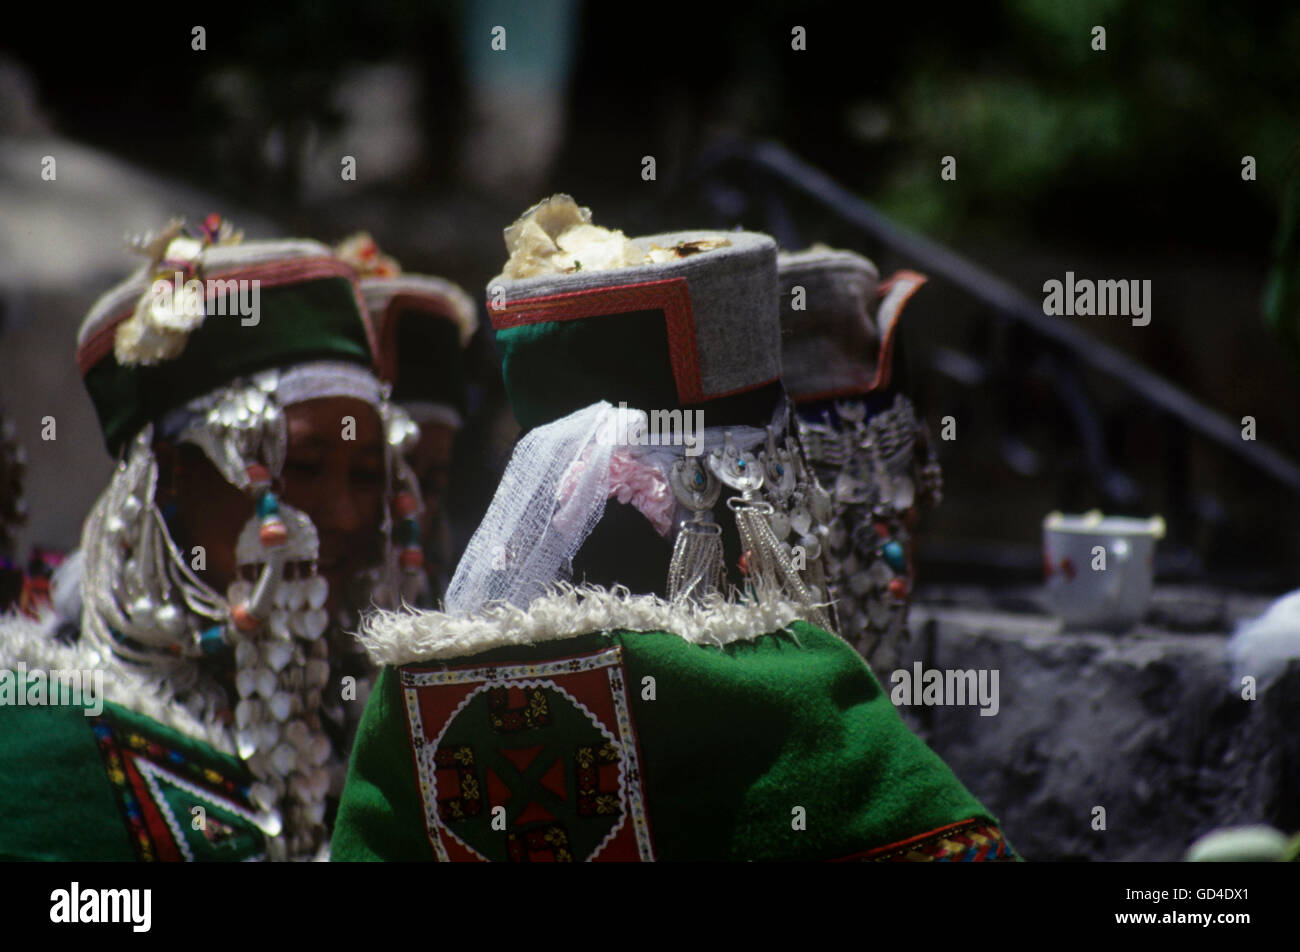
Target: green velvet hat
{"x":696,"y":327}
{"x":154,"y":342}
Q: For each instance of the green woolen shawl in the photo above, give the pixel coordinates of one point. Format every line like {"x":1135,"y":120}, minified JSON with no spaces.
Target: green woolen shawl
{"x":735,"y":739}
{"x":67,"y":791}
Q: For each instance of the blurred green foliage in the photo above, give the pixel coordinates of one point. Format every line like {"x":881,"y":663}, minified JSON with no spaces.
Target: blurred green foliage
{"x":1158,"y":121}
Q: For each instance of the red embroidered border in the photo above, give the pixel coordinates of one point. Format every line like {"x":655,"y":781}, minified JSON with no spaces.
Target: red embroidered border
{"x":273,"y":274}
{"x":147,"y":830}
{"x":671,"y":295}
{"x":929,"y":844}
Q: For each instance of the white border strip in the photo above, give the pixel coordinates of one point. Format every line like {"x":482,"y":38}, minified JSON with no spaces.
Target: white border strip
{"x":412,"y":636}
{"x":153,"y":773}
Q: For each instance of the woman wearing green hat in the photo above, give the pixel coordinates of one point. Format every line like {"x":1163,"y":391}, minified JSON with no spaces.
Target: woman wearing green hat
{"x":250,"y":515}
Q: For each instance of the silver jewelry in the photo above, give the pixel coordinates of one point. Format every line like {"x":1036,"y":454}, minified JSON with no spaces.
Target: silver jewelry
{"x":696,"y":569}
{"x":878,"y":480}
{"x":767,"y":562}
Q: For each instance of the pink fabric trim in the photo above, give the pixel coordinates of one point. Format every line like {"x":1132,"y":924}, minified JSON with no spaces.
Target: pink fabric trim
{"x":632,"y":482}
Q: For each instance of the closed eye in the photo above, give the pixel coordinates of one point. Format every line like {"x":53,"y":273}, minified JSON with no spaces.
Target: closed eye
{"x":303,"y":465}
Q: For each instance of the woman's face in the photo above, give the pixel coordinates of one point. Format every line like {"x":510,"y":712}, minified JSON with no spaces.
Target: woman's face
{"x":333,"y":471}
{"x":431,"y":463}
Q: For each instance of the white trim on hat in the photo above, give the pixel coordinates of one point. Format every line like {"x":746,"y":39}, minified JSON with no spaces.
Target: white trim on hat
{"x":426,"y":411}
{"x":457,"y":306}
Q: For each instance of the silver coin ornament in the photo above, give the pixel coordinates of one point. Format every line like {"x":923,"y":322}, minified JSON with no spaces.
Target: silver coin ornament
{"x":740,"y":471}
{"x":871,"y":463}
{"x":278,"y":714}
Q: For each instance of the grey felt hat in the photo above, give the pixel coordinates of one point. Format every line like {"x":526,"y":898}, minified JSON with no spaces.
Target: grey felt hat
{"x":837,"y":321}
{"x":701,"y":326}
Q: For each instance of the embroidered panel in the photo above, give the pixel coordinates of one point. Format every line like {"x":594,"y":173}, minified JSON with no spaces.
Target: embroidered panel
{"x":528,"y":762}
{"x":158,"y":787}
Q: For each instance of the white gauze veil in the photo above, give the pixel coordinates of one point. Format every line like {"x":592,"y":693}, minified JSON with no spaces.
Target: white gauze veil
{"x":534,"y":528}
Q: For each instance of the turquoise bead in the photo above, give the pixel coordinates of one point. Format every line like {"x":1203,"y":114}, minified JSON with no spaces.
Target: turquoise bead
{"x":408,"y":533}
{"x":893,"y":553}
{"x":268,"y":505}
{"x":213,"y":641}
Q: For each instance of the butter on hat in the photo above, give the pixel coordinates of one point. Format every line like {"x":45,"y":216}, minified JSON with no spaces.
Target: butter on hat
{"x":583,"y":313}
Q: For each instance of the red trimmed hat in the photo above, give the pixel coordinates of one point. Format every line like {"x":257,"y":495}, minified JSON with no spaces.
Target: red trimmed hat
{"x":695,"y":325}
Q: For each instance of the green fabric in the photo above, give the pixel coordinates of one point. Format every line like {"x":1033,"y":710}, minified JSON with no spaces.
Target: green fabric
{"x":244,"y":840}
{"x":380,"y":817}
{"x":315,"y":320}
{"x":58,"y":803}
{"x":556,"y":367}
{"x":735,"y":739}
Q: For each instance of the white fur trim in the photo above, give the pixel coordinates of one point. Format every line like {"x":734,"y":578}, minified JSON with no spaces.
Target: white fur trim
{"x":397,"y":638}
{"x":32,"y":642}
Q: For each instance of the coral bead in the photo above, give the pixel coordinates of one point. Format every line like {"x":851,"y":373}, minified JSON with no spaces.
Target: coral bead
{"x":273,"y":532}
{"x":244,"y":619}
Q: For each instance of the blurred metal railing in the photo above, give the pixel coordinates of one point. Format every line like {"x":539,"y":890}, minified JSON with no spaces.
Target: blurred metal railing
{"x":778,"y":192}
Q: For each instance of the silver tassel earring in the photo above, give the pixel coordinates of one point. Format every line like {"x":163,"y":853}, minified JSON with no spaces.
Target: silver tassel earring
{"x":811,"y":516}
{"x":141,"y":599}
{"x":696,"y":570}
{"x":769,"y":569}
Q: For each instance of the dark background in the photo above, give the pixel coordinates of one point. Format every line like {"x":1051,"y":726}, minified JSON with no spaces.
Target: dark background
{"x":1117,"y":164}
